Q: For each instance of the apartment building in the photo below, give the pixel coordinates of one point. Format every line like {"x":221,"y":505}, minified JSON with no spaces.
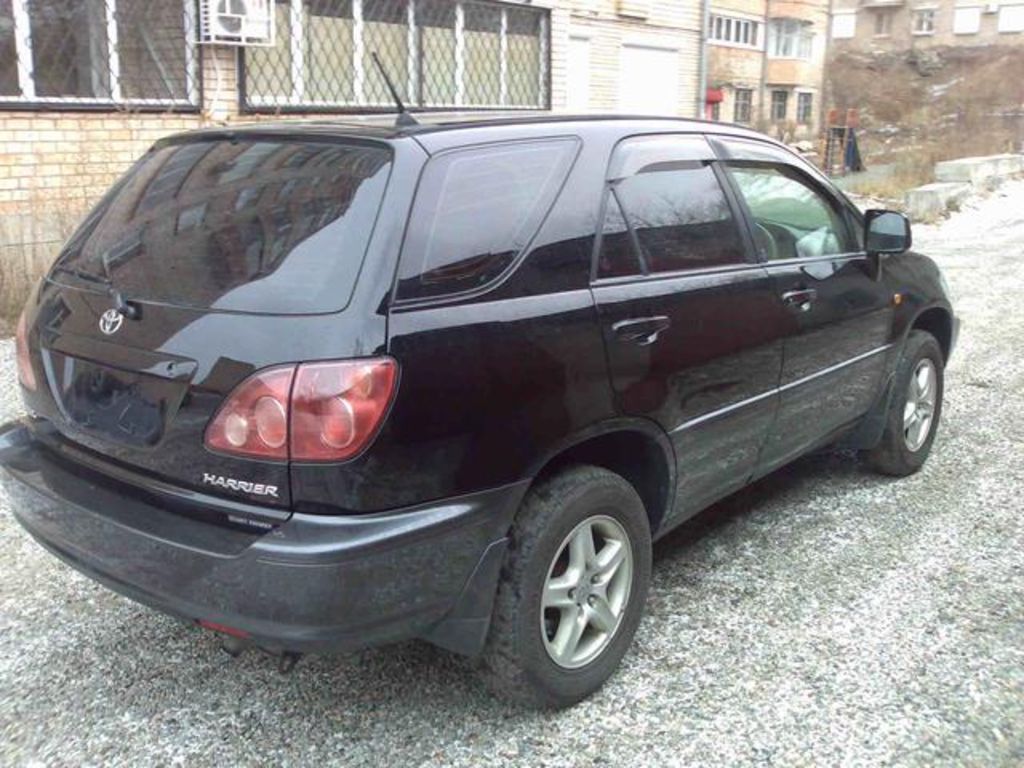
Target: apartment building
{"x":895,"y":25}
{"x":766,"y":62}
{"x":86,"y":86}
{"x":633,"y":56}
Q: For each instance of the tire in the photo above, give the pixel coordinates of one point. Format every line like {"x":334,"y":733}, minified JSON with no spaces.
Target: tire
{"x":897,"y":454}
{"x":516,"y":663}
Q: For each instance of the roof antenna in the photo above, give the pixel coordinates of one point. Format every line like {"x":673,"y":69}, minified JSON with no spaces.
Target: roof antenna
{"x":405,"y":118}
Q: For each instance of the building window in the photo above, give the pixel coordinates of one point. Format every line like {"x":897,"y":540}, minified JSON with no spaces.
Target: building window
{"x":966,"y":21}
{"x":844,"y":25}
{"x":804,"y":106}
{"x":728,"y":29}
{"x":716,"y":111}
{"x":780,"y":103}
{"x":439,"y":53}
{"x":88,"y":52}
{"x":1011,"y":18}
{"x":742,"y":105}
{"x":790,"y":39}
{"x":883,"y":23}
{"x":924,"y":21}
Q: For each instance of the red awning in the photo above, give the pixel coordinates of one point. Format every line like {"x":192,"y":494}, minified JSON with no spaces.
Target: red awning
{"x":714,"y":95}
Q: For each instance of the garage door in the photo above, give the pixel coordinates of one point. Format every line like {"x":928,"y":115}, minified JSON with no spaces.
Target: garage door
{"x":649,"y":80}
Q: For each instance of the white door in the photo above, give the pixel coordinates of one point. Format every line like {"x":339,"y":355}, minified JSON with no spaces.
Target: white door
{"x":649,"y":80}
{"x":578,"y":96}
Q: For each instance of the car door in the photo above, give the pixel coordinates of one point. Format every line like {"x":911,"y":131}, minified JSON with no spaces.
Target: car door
{"x":834,"y":357}
{"x":691,"y":323}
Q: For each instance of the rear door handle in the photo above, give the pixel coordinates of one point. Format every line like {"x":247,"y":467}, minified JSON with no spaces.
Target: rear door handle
{"x":641,"y":330}
{"x":801,"y":298}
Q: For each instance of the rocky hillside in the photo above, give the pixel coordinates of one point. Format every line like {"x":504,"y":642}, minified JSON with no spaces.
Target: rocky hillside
{"x":920,"y":106}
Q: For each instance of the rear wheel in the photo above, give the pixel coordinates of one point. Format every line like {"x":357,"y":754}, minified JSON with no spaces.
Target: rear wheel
{"x":914,"y":410}
{"x":572,"y":590}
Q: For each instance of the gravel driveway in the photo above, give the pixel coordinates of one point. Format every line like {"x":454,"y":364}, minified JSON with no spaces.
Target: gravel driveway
{"x":825,"y":616}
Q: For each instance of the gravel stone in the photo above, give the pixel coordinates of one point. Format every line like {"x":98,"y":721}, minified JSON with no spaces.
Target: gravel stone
{"x":824,"y":616}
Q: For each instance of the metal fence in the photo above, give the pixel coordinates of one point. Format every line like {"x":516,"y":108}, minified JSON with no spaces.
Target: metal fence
{"x":131,"y":53}
{"x":439,"y":54}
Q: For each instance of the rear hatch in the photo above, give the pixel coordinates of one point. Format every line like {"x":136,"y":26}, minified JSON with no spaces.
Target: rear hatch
{"x":226,"y":255}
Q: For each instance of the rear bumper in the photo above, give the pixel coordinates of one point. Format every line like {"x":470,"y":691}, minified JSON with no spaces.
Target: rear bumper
{"x":313,"y":583}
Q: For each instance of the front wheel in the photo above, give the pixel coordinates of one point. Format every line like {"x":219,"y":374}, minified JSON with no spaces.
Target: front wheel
{"x":572,"y":589}
{"x":914,"y":410}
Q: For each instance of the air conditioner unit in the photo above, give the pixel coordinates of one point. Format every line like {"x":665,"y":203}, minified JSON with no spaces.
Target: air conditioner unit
{"x":992,"y":8}
{"x":236,"y":22}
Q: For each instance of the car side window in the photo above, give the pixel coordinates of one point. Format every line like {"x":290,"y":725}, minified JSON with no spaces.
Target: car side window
{"x":668,"y":217}
{"x":476,"y":210}
{"x":792,"y":219}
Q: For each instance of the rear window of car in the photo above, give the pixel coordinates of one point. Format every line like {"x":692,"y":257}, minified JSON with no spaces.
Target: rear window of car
{"x":476,"y":210}
{"x":272,"y":226}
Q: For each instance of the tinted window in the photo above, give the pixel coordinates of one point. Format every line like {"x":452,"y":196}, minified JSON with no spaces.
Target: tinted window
{"x":253,"y":226}
{"x":791,"y":219}
{"x":679,"y":218}
{"x":475,"y":211}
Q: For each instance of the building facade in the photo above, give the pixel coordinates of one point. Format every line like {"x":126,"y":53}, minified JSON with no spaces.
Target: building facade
{"x":86,"y":86}
{"x":896,"y":25}
{"x":766,"y":61}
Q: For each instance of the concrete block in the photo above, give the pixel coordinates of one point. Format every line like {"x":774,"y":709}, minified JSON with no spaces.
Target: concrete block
{"x":978,"y":170}
{"x":929,"y":202}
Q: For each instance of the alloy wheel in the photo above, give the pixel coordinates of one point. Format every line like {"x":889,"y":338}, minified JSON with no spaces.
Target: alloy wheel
{"x":586,"y":591}
{"x":919,"y":411}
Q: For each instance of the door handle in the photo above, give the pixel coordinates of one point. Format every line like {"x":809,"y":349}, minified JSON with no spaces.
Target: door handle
{"x":641,"y":330}
{"x":802,"y":298}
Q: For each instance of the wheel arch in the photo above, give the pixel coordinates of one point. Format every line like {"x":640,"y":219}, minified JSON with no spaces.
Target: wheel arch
{"x":938,"y":321}
{"x":636,"y":449}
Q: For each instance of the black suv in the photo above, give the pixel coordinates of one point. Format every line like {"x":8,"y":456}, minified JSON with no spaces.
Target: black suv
{"x":324,"y":385}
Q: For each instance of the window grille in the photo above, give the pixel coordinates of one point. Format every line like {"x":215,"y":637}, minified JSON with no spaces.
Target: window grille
{"x":439,"y":53}
{"x":116,"y":53}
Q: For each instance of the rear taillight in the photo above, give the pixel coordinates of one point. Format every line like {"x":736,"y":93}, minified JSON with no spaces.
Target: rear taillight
{"x":311,"y":412}
{"x":337,"y":407}
{"x":254,"y":419}
{"x":26,"y":374}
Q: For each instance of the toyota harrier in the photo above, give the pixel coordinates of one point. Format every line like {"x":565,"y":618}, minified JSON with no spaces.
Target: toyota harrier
{"x":318,"y":386}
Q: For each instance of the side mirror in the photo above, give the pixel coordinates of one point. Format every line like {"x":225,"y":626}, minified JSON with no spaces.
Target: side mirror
{"x":886,"y":232}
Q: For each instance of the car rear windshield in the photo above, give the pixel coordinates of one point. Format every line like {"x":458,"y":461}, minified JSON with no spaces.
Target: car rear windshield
{"x":273,"y":226}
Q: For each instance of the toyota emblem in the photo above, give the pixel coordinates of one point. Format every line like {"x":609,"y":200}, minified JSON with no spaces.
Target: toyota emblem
{"x":111,"y":321}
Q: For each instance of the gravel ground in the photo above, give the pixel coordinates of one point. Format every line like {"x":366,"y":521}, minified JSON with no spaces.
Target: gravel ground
{"x":825,"y":616}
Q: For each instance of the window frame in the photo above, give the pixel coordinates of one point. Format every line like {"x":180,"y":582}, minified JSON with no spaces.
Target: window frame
{"x":1010,"y":22}
{"x":30,"y":100}
{"x":805,"y":98}
{"x":798,"y":32}
{"x":920,"y":14}
{"x":772,"y":102}
{"x":763,"y":153}
{"x":727,"y":30}
{"x":963,"y":13}
{"x":399,"y":303}
{"x":748,"y":104}
{"x":608,"y":197}
{"x":883,"y":22}
{"x":297,"y":102}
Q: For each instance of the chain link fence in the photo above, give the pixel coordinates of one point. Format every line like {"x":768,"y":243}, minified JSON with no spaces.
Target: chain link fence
{"x":135,"y":53}
{"x":439,"y":54}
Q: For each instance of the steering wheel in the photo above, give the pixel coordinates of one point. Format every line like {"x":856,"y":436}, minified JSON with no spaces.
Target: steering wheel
{"x":764,"y":240}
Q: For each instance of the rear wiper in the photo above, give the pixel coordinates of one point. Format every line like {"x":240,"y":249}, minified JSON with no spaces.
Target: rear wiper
{"x":81,"y":274}
{"x":124,"y":307}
